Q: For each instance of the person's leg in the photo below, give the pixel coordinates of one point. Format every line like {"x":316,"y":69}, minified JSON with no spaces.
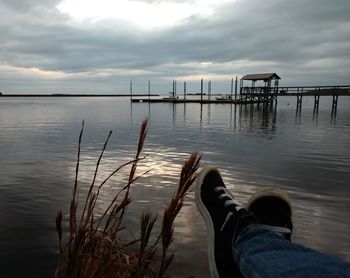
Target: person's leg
{"x":259,"y":252}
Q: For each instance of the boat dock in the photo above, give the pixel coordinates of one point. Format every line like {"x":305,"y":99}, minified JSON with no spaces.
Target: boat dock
{"x":266,"y":94}
{"x":249,"y":95}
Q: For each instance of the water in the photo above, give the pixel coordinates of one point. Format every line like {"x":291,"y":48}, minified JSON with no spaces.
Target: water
{"x":305,"y":153}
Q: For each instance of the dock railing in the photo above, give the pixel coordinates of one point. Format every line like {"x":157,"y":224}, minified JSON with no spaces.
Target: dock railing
{"x":305,"y":90}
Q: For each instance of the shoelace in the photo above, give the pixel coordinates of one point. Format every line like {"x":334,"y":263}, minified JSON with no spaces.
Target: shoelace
{"x":230,"y":201}
{"x":238,"y":206}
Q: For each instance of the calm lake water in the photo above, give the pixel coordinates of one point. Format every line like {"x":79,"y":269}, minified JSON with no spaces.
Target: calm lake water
{"x":305,"y":153}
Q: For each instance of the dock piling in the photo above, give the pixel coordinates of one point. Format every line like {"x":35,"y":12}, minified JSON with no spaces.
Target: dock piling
{"x":202,"y":90}
{"x":175,"y":92}
{"x":236,"y":84}
{"x":231,"y":88}
{"x":209,"y":89}
{"x":184,"y":89}
{"x":174,"y":89}
{"x":131,"y":89}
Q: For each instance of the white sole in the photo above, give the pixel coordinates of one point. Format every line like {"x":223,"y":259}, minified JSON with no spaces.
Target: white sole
{"x":210,"y":227}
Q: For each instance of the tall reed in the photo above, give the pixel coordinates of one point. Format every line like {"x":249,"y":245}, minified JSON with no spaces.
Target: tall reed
{"x":96,"y":246}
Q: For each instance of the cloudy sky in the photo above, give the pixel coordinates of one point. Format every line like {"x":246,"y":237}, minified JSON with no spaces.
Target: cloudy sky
{"x":98,"y":46}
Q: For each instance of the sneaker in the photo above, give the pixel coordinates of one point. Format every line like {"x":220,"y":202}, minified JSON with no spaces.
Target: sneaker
{"x":225,"y":218}
{"x":273,"y":208}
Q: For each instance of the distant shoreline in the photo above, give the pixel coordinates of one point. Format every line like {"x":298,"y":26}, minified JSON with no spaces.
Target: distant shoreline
{"x":78,"y":95}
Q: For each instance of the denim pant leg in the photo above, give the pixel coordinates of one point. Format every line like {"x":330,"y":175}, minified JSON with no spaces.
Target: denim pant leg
{"x":262,"y":253}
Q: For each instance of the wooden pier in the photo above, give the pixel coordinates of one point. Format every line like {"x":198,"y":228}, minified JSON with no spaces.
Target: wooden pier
{"x":266,"y":94}
{"x":261,"y":95}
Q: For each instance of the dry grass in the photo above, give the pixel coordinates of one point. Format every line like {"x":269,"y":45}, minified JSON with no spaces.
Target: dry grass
{"x":100,"y":247}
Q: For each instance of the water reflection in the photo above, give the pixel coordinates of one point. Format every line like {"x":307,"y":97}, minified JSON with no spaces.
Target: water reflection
{"x":334,"y":116}
{"x":233,"y":117}
{"x":257,"y":119}
{"x":315,"y":115}
{"x":184,"y":113}
{"x":174,"y":114}
{"x":201,"y":117}
{"x":251,"y":117}
{"x":208,"y":117}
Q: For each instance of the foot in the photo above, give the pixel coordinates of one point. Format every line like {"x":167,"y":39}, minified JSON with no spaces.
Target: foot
{"x":272,"y":207}
{"x":225,"y":218}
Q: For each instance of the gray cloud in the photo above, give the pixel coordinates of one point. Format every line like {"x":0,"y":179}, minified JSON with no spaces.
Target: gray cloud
{"x":305,"y":42}
{"x":21,"y":4}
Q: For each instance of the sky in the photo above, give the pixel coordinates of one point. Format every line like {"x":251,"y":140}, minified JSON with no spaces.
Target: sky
{"x":98,"y":46}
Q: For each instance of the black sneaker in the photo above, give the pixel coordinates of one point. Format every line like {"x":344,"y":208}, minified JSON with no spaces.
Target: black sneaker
{"x":225,"y":218}
{"x":273,"y":208}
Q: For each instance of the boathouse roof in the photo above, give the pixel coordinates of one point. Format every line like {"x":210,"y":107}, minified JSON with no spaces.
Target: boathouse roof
{"x":261,"y":76}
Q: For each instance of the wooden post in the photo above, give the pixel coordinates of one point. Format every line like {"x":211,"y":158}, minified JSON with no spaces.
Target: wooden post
{"x":209,"y":89}
{"x":241,"y":86}
{"x":131,"y":90}
{"x":201,"y":89}
{"x":173,"y":93}
{"x":241,"y":90}
{"x":184,"y":89}
{"x":236,"y":84}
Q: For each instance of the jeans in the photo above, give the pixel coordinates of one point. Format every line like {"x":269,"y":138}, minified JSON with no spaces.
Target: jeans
{"x":262,"y":253}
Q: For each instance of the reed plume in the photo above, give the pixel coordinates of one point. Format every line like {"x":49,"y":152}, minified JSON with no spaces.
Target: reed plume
{"x":99,"y":246}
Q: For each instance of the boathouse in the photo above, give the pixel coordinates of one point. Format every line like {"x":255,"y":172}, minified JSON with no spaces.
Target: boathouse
{"x":265,"y":92}
{"x":268,"y":79}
